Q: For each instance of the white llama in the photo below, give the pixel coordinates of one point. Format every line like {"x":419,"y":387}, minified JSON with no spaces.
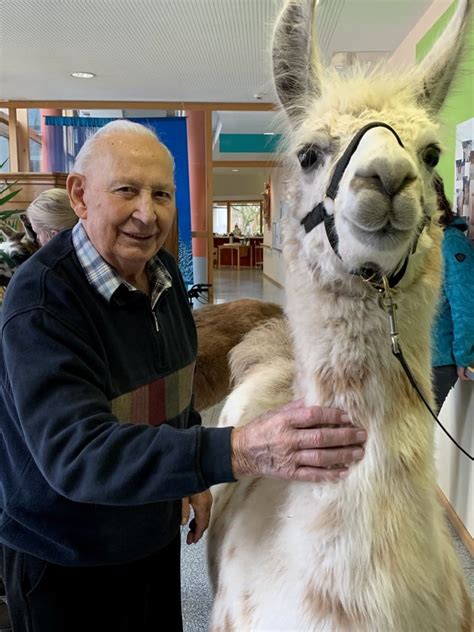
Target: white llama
{"x":370,"y":553}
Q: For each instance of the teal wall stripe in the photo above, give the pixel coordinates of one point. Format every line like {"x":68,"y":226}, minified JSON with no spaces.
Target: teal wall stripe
{"x":248,"y":143}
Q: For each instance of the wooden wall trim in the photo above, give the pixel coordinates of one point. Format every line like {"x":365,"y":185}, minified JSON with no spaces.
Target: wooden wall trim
{"x":209,"y":199}
{"x":138,"y":105}
{"x":22,"y":177}
{"x":456,"y":522}
{"x":273,"y":280}
{"x":13,"y":140}
{"x":23,"y":140}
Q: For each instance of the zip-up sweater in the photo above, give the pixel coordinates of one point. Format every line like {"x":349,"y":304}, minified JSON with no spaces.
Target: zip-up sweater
{"x":453,"y":328}
{"x":89,"y":473}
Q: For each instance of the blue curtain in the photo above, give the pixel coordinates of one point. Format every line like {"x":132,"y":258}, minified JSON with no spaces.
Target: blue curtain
{"x":171,"y":131}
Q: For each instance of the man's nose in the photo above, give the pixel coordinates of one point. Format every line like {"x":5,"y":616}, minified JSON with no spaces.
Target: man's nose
{"x":145,"y":208}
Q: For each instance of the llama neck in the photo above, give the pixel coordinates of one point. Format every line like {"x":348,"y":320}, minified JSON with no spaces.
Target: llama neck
{"x":342,"y":346}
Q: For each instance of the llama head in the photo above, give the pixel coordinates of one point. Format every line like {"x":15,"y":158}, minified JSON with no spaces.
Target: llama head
{"x":19,"y":246}
{"x":377,"y":193}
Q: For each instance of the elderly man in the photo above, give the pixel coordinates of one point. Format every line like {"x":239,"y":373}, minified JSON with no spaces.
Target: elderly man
{"x":99,"y":443}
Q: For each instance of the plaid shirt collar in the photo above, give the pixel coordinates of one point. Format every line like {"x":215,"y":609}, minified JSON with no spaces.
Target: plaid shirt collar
{"x":104,"y":279}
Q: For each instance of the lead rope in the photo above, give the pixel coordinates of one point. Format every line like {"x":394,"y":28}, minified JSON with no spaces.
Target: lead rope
{"x":388,"y":305}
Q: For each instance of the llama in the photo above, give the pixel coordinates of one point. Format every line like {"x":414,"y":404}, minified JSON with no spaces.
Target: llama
{"x":371,"y":552}
{"x":219,"y":328}
{"x":16,"y":248}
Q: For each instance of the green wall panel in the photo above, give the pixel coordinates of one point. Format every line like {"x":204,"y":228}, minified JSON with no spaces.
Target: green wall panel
{"x":249,"y":143}
{"x":459,"y":105}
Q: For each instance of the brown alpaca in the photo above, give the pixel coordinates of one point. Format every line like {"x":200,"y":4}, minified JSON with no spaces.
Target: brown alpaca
{"x":220,"y":327}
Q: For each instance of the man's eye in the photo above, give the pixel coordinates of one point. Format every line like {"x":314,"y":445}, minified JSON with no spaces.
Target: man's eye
{"x":162,"y":195}
{"x":126,"y":190}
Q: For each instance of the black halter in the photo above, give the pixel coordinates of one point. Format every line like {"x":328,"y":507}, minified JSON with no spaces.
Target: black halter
{"x":319,"y":213}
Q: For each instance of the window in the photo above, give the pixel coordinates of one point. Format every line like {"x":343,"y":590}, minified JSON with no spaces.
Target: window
{"x":247,"y":216}
{"x":220,"y":218}
{"x":4,"y":143}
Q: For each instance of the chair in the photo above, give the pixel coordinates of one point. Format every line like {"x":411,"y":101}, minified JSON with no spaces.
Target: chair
{"x":258,"y":258}
{"x":232,"y":248}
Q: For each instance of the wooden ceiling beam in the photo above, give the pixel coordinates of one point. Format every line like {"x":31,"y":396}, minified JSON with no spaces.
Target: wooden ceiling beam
{"x":139,"y":105}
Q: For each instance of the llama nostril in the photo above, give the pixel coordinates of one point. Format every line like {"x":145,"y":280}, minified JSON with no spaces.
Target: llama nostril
{"x":387,"y":179}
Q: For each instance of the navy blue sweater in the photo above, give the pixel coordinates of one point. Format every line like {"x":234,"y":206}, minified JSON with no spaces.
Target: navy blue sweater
{"x":79,"y":485}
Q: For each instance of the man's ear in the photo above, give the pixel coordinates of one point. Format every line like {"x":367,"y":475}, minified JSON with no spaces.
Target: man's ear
{"x":75,"y":187}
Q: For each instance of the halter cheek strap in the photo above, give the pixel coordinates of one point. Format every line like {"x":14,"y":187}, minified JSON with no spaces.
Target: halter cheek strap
{"x":319,"y":213}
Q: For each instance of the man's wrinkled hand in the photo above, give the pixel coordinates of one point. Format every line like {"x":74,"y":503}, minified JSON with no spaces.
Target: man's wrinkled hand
{"x":297,"y":442}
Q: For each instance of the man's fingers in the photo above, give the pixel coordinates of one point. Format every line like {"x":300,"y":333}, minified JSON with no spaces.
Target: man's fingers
{"x":331,"y":457}
{"x":318,"y":416}
{"x":196,"y":529}
{"x":185,"y":510}
{"x":329,"y":437}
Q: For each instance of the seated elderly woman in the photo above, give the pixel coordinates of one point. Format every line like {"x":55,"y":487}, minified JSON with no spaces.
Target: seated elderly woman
{"x":49,"y":213}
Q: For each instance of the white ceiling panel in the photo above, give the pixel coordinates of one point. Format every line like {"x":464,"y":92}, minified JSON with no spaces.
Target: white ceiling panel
{"x":171,"y":50}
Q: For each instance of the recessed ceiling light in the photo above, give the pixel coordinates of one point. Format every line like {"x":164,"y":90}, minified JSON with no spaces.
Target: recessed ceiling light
{"x":83,"y":75}
{"x":269,"y":133}
{"x":234,"y":169}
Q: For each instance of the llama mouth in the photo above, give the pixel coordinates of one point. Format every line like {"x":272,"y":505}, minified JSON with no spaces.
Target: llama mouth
{"x":380,"y":238}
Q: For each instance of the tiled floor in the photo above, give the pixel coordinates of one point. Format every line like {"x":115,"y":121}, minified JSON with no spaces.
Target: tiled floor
{"x":197,"y":597}
{"x":231,"y":284}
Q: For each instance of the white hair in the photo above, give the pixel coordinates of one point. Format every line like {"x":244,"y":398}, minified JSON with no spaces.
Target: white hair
{"x":119,"y":126}
{"x":51,"y":210}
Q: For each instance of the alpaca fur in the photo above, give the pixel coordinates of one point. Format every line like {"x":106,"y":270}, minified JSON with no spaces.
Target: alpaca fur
{"x":370,"y":553}
{"x":219,"y":328}
{"x":15,"y":248}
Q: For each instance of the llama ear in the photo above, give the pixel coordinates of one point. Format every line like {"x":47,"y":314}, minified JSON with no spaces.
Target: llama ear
{"x":436,"y":72}
{"x":295,"y":61}
{"x":6,"y":231}
{"x":29,"y":232}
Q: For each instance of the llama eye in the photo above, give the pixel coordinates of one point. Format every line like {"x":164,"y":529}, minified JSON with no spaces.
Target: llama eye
{"x":310,"y":157}
{"x":431,"y":155}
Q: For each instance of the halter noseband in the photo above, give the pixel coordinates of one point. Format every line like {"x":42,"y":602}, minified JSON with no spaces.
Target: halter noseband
{"x":319,"y":212}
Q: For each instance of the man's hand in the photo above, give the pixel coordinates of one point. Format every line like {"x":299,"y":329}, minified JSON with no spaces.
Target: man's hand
{"x":201,"y":504}
{"x":295,"y":442}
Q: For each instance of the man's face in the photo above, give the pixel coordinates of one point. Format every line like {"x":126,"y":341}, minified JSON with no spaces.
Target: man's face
{"x":128,"y":200}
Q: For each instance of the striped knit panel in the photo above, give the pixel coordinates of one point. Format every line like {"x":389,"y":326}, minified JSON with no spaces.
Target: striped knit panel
{"x":158,"y":401}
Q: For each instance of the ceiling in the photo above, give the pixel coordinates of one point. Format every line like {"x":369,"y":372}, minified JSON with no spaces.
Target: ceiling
{"x":173,"y":50}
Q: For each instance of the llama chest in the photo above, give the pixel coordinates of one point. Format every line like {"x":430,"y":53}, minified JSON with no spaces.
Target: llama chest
{"x":293,"y":557}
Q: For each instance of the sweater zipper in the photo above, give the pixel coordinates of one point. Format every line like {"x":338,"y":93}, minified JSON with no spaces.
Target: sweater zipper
{"x":153,"y":308}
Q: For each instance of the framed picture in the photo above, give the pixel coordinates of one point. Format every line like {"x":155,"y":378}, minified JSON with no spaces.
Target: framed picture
{"x":464,"y":173}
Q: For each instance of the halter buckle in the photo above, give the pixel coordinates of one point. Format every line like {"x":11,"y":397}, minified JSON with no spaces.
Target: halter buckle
{"x":388,"y":305}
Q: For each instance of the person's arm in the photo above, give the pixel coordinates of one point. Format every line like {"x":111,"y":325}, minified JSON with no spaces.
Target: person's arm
{"x":459,"y":290}
{"x":87,"y":456}
{"x":53,"y":381}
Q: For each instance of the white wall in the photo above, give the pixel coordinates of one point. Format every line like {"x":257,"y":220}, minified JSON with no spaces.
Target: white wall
{"x":273,"y":261}
{"x":238,"y":186}
{"x":455,"y":470}
{"x":405,"y":55}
